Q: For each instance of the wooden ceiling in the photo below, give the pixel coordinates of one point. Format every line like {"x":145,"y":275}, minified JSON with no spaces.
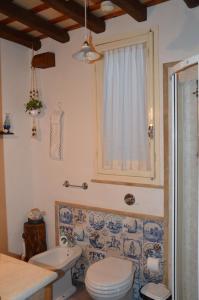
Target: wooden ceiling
{"x":27,"y":22}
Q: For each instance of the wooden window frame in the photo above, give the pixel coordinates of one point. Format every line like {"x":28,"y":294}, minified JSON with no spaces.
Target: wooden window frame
{"x":145,"y":178}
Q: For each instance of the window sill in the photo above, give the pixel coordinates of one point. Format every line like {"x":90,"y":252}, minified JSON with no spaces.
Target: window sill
{"x":144,"y":185}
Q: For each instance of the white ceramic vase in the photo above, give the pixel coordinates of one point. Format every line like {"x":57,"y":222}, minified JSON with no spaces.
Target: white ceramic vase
{"x":34,"y":112}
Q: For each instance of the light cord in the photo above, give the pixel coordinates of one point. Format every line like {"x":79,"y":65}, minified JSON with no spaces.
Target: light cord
{"x":33,"y":88}
{"x":32,"y":76}
{"x":85,"y":16}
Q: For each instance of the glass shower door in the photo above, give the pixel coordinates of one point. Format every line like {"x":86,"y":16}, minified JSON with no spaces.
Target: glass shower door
{"x":186,"y":183}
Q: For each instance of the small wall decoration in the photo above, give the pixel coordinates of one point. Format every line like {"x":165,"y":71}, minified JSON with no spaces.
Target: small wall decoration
{"x":56,"y":134}
{"x":6,"y":126}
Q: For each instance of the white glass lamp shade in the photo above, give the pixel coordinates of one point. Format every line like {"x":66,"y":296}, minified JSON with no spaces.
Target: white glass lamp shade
{"x":87,"y":53}
{"x":82,"y":54}
{"x":93,"y":55}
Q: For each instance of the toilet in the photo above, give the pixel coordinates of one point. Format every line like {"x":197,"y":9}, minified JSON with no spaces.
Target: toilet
{"x":110,"y":279}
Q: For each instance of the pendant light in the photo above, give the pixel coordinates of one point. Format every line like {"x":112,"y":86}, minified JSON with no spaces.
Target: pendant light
{"x":87,"y":52}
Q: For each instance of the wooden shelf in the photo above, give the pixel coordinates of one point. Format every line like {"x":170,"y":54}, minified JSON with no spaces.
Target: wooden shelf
{"x":6,"y":133}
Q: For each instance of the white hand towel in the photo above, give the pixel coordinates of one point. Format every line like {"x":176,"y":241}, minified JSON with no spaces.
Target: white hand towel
{"x":55,"y":134}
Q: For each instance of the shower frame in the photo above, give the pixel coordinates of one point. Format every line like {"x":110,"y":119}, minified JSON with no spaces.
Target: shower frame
{"x":173,"y":165}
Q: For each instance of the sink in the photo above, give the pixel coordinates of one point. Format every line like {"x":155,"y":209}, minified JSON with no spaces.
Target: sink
{"x":20,"y":280}
{"x":59,"y":258}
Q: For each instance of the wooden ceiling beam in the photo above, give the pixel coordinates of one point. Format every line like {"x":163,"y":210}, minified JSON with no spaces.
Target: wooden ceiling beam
{"x":192,"y":3}
{"x":35,"y":9}
{"x":19,"y":37}
{"x":134,"y":8}
{"x":29,"y":18}
{"x":76,"y":12}
{"x":154,"y":2}
{"x":77,"y":26}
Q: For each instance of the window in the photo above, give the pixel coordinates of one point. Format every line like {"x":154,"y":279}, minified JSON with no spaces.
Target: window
{"x":126,"y":111}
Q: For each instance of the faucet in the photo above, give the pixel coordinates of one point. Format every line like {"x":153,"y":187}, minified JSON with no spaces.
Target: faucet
{"x":70,"y":239}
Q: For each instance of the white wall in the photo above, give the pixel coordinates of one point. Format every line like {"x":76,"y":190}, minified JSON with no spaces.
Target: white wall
{"x":15,"y":84}
{"x":70,"y":83}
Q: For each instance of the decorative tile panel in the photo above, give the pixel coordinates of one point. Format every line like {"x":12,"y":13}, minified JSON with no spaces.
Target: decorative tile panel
{"x":102,"y":234}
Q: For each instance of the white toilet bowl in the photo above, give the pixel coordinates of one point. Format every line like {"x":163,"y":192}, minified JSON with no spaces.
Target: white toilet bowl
{"x":59,"y":258}
{"x":110,"y":279}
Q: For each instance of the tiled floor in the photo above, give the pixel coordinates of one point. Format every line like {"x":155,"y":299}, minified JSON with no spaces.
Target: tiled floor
{"x":81,"y":294}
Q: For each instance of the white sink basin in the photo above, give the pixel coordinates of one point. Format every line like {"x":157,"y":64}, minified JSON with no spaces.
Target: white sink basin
{"x":58,"y":258}
{"x":19,"y":280}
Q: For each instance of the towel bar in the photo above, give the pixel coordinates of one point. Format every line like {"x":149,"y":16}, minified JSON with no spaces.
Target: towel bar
{"x":84,"y":185}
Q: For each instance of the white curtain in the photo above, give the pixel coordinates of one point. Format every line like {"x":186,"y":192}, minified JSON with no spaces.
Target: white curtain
{"x":56,"y":134}
{"x":124,"y":133}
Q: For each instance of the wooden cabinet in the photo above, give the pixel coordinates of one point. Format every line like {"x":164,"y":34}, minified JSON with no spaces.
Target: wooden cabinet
{"x":35,"y":239}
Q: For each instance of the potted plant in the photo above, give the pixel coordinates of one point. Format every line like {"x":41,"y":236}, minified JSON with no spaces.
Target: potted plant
{"x":33,"y":106}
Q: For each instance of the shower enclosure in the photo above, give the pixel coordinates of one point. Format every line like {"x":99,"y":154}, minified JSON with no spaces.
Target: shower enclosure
{"x":184,"y":140}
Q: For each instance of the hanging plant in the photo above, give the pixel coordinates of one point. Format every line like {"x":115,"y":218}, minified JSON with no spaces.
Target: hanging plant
{"x":34,"y":105}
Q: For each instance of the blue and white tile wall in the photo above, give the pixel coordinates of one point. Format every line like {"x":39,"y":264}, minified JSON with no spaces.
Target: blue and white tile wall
{"x":102,"y":234}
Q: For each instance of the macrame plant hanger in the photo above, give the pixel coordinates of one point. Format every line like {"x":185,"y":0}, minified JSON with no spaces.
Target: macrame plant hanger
{"x":34,"y":94}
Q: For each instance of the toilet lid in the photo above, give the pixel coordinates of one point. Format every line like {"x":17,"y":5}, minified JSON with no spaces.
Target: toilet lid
{"x":109,"y":272}
{"x":109,"y":290}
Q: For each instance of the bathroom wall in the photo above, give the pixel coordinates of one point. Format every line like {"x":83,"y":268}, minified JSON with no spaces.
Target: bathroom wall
{"x":71,"y":84}
{"x":32,"y":178}
{"x":104,"y":233}
{"x":17,"y":148}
